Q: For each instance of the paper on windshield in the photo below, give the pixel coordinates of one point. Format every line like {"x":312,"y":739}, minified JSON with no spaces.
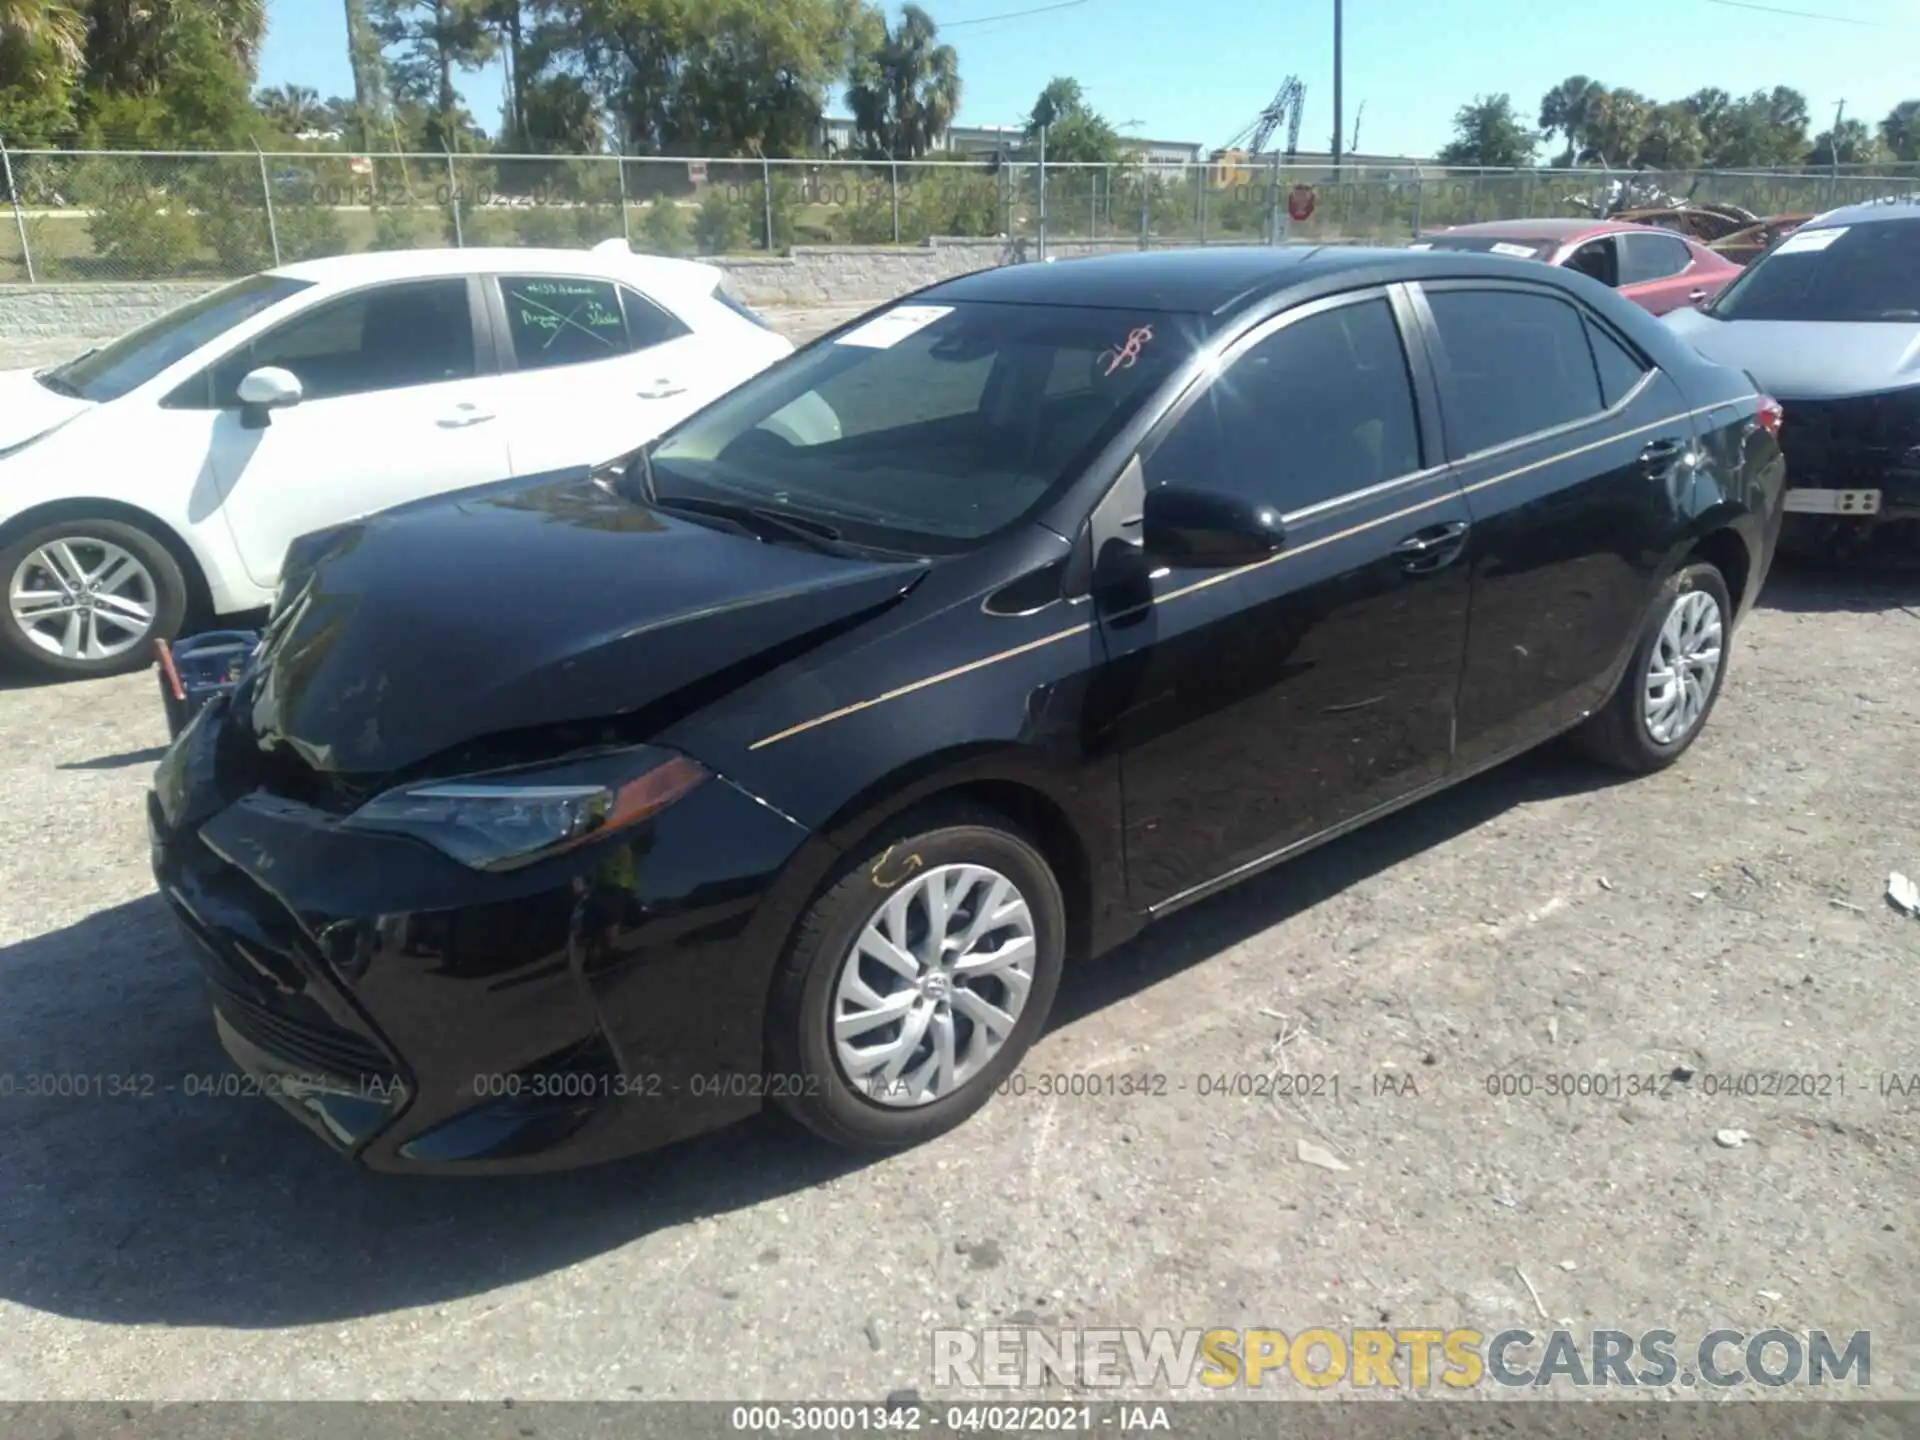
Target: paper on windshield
{"x":1810,"y":239}
{"x":1519,"y":252}
{"x":1421,"y":245}
{"x":885,"y":331}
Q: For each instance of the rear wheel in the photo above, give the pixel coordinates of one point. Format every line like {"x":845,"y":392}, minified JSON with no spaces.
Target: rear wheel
{"x":917,"y":982}
{"x":88,"y":597}
{"x":1673,"y":679}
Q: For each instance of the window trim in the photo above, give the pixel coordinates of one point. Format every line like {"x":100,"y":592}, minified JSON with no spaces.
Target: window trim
{"x":485,"y":361}
{"x":1422,"y":288}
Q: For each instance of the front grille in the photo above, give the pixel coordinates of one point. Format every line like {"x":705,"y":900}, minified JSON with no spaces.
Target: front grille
{"x":310,"y":1041}
{"x":1833,"y":439}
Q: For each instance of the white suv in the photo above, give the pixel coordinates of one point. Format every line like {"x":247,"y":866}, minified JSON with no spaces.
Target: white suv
{"x":163,"y":475}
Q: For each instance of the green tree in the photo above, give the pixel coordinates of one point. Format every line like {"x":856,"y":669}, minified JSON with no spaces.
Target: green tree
{"x":707,"y":77}
{"x":720,"y":226}
{"x":1617,"y":124}
{"x":1672,"y":139}
{"x":558,"y":115}
{"x":1566,"y":110}
{"x":290,"y":109}
{"x":45,"y":34}
{"x":132,"y":49}
{"x":1767,"y":128}
{"x":428,"y":41}
{"x":1851,"y":142}
{"x":1487,"y":132}
{"x":904,"y":90}
{"x":36,"y":91}
{"x":1076,"y":133}
{"x":370,"y":111}
{"x":1900,"y":131}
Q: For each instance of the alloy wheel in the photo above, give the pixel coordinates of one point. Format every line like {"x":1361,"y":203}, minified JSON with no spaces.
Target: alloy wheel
{"x":83,"y":599}
{"x":1683,"y":667}
{"x":934,"y":984}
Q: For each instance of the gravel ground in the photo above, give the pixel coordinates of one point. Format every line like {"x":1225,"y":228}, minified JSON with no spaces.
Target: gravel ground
{"x":1724,"y":917}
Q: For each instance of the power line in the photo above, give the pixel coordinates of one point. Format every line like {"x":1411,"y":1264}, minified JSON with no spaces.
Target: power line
{"x":1011,"y":14}
{"x":1806,"y":14}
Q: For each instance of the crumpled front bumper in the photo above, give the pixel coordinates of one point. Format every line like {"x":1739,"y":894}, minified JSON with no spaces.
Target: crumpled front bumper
{"x":420,"y":1015}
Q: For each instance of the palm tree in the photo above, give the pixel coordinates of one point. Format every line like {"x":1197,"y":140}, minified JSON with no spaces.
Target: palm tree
{"x":905,"y":91}
{"x":34,"y":24}
{"x":1901,"y":130}
{"x":292,"y":109}
{"x":127,"y":49}
{"x":1568,"y":109}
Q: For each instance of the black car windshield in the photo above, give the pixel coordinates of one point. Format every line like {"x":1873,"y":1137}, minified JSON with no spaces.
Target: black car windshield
{"x":1835,"y":273}
{"x":139,"y":355}
{"x":1520,"y":247}
{"x":928,"y":427}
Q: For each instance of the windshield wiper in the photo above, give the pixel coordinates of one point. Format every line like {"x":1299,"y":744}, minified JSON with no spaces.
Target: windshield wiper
{"x":759,"y":520}
{"x":59,"y":386}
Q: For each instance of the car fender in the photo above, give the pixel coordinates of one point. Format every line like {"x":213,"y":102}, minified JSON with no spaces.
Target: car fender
{"x":38,"y":484}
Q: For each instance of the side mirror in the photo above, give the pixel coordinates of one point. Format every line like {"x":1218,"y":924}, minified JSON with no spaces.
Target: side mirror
{"x":265,"y":390}
{"x":1194,"y":528}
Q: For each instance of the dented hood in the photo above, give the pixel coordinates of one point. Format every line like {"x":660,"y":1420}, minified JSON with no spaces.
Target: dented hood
{"x":527,"y":604}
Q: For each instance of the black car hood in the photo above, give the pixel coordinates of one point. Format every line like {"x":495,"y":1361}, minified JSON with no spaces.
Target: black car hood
{"x":521,"y":605}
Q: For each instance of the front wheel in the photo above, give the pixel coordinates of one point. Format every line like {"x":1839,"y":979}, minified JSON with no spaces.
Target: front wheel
{"x":1673,"y":679}
{"x":88,"y":597}
{"x":917,"y":982}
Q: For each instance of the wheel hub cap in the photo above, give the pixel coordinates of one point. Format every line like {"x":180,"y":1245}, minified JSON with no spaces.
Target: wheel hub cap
{"x":83,"y":599}
{"x":1683,"y":667}
{"x":933,"y":985}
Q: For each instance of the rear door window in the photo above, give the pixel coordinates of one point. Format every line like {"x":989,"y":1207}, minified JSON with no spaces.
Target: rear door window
{"x":1652,"y":257}
{"x":1514,"y":363}
{"x":555,"y":320}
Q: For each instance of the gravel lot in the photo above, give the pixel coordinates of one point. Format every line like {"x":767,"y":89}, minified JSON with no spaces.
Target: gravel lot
{"x":1724,"y":917}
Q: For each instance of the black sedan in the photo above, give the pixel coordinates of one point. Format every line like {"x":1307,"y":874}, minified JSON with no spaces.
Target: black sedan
{"x":792,"y":758}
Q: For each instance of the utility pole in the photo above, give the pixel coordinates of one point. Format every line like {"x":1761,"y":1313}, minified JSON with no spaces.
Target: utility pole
{"x":1339,"y":120}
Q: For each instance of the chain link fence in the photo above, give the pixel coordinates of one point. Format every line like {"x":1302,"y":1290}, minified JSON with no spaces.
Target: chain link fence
{"x":133,"y":215}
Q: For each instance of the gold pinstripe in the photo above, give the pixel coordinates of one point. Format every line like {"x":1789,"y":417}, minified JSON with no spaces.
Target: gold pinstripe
{"x":1225,"y":575}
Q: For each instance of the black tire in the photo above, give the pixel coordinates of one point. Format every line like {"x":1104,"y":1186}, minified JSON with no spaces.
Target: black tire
{"x":169,"y":596}
{"x":1617,"y":734}
{"x":807,"y":1080}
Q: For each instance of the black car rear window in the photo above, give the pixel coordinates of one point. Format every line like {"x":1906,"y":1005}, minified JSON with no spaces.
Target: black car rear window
{"x":1860,"y":273}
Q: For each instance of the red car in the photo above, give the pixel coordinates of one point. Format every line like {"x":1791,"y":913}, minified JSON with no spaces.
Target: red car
{"x":1657,"y":269}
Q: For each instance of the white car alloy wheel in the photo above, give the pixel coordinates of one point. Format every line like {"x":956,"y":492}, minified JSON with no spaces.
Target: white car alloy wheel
{"x":1683,"y":666}
{"x":933,"y":985}
{"x":83,"y":598}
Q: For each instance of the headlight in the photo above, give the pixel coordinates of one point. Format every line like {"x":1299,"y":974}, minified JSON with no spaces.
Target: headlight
{"x":509,"y":818}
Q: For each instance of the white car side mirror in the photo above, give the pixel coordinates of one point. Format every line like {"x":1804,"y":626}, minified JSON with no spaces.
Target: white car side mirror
{"x":268,"y":388}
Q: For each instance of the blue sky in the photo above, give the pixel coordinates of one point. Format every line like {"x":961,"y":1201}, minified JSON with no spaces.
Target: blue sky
{"x":1200,"y":70}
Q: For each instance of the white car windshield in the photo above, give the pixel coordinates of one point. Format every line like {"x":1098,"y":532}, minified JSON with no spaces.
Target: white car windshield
{"x":1860,"y":273}
{"x":927,"y":427}
{"x":139,"y":355}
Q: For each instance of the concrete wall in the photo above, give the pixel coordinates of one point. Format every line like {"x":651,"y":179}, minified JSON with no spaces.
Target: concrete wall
{"x":811,"y":276}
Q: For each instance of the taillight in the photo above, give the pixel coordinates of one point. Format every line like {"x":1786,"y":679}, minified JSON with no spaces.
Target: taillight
{"x":1770,"y":416}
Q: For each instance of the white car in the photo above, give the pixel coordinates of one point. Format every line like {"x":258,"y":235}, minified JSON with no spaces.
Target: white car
{"x":163,"y":475}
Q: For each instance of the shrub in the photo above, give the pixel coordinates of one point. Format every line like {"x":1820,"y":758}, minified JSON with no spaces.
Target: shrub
{"x":395,"y":229}
{"x":308,"y":232}
{"x":144,"y":233}
{"x":720,"y":226}
{"x":665,"y":227}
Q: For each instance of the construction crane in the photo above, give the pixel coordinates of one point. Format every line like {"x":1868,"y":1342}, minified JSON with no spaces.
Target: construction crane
{"x":1288,"y":102}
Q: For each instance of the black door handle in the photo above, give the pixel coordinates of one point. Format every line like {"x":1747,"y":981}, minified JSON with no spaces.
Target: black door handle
{"x":1661,"y":454}
{"x":1432,"y":547}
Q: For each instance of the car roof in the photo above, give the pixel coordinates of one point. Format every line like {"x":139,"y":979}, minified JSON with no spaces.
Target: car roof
{"x":612,"y":261}
{"x":1891,"y":207}
{"x":1551,"y":227}
{"x":1215,"y":279}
